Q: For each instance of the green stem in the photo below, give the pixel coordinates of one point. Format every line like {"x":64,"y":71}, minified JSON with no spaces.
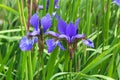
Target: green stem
{"x":70,"y":69}
{"x":43,"y":71}
{"x":30,"y":72}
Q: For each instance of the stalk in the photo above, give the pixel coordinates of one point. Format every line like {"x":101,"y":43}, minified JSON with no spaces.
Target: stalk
{"x":30,"y":73}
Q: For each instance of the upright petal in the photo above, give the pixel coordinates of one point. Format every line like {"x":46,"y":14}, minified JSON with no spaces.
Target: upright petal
{"x":76,"y":24}
{"x":62,"y":25}
{"x":88,"y":43}
{"x":51,"y":45}
{"x":46,"y":22}
{"x":70,"y":30}
{"x":26,"y":44}
{"x":55,"y":2}
{"x":34,"y":21}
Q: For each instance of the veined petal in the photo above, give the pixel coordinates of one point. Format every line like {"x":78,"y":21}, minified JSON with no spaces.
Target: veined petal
{"x":35,"y":39}
{"x":34,"y":33}
{"x":52,"y":33}
{"x":70,"y":30}
{"x":88,"y":43}
{"x":64,"y":37}
{"x":61,"y":46}
{"x":62,"y":25}
{"x":34,"y":21}
{"x":117,"y":2}
{"x":77,"y":23}
{"x":51,"y":45}
{"x":26,"y":44}
{"x":78,"y":36}
{"x":46,"y":22}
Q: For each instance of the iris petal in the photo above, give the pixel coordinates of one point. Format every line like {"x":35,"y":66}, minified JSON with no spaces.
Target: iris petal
{"x":26,"y":44}
{"x":34,"y":21}
{"x":77,"y":23}
{"x":46,"y":22}
{"x":34,"y":33}
{"x":62,"y":36}
{"x":61,"y":46}
{"x":88,"y":43}
{"x":52,"y":33}
{"x":78,"y":36}
{"x":61,"y":26}
{"x":70,"y":30}
{"x":117,"y":2}
{"x":51,"y":45}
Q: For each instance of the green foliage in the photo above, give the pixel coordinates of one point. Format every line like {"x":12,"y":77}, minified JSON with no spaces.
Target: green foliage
{"x":99,"y":20}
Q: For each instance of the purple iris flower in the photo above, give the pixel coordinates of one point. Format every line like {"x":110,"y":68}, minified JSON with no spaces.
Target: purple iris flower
{"x":27,"y":42}
{"x":117,"y":2}
{"x":47,"y":5}
{"x":68,"y":32}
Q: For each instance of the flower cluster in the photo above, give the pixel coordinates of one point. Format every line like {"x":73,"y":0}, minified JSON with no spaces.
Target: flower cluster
{"x":67,"y":32}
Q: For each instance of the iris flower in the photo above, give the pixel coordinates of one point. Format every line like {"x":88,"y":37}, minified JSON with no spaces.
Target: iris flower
{"x":68,"y":32}
{"x":117,"y":2}
{"x":47,"y":5}
{"x":27,"y":42}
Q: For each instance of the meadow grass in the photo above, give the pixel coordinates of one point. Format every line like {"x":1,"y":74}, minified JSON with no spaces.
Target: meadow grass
{"x":99,"y":20}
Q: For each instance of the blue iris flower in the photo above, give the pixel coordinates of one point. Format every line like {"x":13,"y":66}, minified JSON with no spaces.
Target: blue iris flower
{"x":27,"y":42}
{"x":68,"y":32}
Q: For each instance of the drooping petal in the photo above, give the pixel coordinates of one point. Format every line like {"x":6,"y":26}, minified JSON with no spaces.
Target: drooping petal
{"x":34,"y":33}
{"x":51,"y":45}
{"x":70,"y":30}
{"x":62,"y":25}
{"x":52,"y":33}
{"x":117,"y":2}
{"x":88,"y":43}
{"x":61,"y":46}
{"x":77,"y":23}
{"x":34,"y":21}
{"x":35,"y":39}
{"x":46,"y":22}
{"x":26,"y":44}
{"x":62,"y":36}
{"x":78,"y":36}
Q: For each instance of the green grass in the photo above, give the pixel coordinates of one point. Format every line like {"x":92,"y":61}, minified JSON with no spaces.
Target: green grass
{"x":99,"y":20}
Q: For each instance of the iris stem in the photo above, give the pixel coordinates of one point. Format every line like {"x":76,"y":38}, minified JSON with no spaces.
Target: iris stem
{"x":70,"y":69}
{"x":30,"y":73}
{"x":43,"y":71}
{"x":67,"y":57}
